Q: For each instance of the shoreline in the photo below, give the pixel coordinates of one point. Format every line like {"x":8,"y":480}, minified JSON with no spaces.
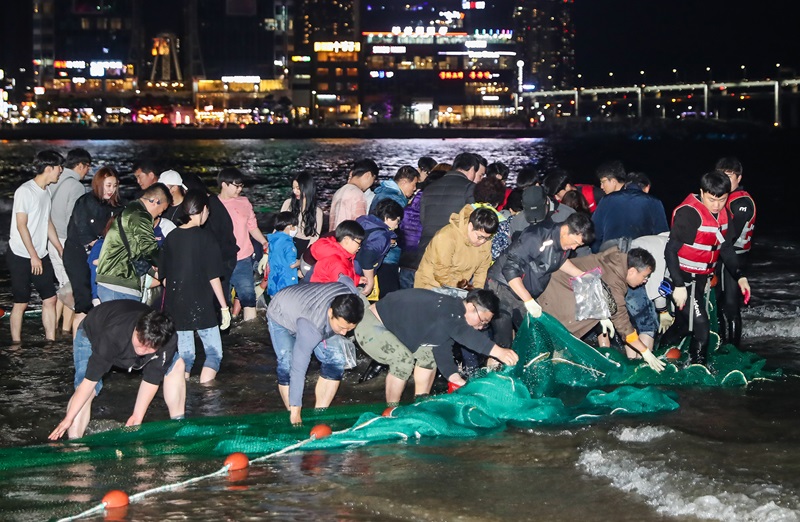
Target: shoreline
{"x":283,"y":132}
{"x":627,"y":129}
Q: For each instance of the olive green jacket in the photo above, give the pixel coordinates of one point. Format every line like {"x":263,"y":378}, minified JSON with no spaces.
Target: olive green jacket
{"x":114,"y":266}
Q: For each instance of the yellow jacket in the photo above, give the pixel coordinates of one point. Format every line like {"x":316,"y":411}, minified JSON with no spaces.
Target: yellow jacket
{"x":450,"y":257}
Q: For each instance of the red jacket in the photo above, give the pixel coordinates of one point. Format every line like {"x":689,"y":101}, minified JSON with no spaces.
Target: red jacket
{"x":701,"y":256}
{"x":332,"y":261}
{"x":588,"y":193}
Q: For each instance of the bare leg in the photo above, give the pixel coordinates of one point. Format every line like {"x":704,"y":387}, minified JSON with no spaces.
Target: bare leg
{"x":49,"y":318}
{"x":325,"y":391}
{"x":394,"y":388}
{"x":284,"y":391}
{"x":76,"y":321}
{"x":249,"y":313}
{"x":423,"y":380}
{"x":603,"y":341}
{"x":81,"y":421}
{"x":59,"y":310}
{"x":175,"y":391}
{"x":207,"y":375}
{"x":68,"y":314}
{"x":17,"y":313}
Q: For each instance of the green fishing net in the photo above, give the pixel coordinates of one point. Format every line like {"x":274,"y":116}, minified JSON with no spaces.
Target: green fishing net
{"x":530,"y":394}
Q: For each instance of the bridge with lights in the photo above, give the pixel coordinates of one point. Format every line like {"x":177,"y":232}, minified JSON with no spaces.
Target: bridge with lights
{"x":776,"y":90}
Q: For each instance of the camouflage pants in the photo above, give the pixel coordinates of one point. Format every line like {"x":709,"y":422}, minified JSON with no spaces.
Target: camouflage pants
{"x":383,"y":346}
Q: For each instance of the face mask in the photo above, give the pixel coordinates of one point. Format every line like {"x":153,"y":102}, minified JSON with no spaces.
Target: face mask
{"x":293,"y":232}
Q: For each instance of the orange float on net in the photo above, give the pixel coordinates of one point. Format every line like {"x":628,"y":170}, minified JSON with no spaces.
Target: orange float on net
{"x":115,"y":499}
{"x":320,"y":431}
{"x":237,"y":461}
{"x":673,"y":354}
{"x":388,"y":411}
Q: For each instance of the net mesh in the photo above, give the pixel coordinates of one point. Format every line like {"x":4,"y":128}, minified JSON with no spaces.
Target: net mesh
{"x":530,"y":394}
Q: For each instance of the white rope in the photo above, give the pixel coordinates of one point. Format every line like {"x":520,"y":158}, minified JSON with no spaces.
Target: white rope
{"x":593,"y":370}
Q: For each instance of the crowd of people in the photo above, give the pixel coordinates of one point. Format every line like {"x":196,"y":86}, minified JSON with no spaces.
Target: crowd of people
{"x":435,"y":270}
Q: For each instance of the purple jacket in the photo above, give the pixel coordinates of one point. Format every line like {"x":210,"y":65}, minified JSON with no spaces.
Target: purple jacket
{"x":411,"y":228}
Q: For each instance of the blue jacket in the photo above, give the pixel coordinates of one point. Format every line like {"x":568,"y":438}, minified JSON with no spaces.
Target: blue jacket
{"x":389,"y":190}
{"x":377,"y":242}
{"x":282,"y":254}
{"x":630,"y":212}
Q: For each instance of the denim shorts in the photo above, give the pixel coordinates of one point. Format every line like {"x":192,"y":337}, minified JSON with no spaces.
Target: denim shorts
{"x":212,"y":344}
{"x":329,"y":352}
{"x":244,"y":284}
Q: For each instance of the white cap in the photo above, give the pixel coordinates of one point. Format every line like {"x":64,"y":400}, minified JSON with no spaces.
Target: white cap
{"x":170,"y":177}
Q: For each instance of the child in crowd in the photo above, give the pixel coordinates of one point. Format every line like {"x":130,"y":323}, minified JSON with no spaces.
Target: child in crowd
{"x":336,"y":255}
{"x":283,"y":262}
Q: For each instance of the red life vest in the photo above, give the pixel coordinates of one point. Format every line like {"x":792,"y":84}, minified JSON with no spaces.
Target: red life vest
{"x":745,"y":239}
{"x":701,"y":256}
{"x":588,"y":193}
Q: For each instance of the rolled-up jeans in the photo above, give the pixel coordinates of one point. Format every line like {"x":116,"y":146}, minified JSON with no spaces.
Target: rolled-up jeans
{"x":242,"y":281}
{"x":642,"y":311}
{"x":329,"y":352}
{"x":212,"y":344}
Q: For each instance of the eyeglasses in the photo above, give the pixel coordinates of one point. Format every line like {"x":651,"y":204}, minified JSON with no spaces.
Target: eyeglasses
{"x":482,"y":238}
{"x":357,"y":241}
{"x":238,"y":185}
{"x":154,"y":201}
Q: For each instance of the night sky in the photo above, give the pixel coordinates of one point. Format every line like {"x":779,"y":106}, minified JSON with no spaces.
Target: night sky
{"x":619,"y":36}
{"x":626,"y":36}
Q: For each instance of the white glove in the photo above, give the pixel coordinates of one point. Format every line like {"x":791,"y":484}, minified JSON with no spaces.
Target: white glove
{"x":259,"y":290}
{"x":533,"y":308}
{"x":679,"y":295}
{"x":262,"y":263}
{"x":608,"y":327}
{"x":226,"y":319}
{"x":665,"y":321}
{"x":652,"y":361}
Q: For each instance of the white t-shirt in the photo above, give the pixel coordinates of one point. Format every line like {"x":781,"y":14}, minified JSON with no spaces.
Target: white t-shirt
{"x":34,"y":201}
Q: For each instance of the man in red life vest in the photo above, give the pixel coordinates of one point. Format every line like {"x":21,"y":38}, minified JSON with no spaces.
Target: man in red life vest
{"x":742,"y":208}
{"x":701,"y":234}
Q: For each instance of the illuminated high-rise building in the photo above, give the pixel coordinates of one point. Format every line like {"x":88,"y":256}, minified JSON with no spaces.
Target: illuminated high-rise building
{"x":546,"y":34}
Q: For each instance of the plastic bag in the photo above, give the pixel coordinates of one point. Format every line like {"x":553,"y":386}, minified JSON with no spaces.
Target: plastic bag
{"x":590,"y":298}
{"x":348,"y":349}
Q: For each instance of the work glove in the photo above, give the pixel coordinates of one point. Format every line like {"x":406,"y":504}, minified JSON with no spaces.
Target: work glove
{"x":665,"y":320}
{"x":259,"y":289}
{"x":608,"y":327}
{"x":652,"y":361}
{"x":226,"y":318}
{"x":679,"y":295}
{"x":533,"y":308}
{"x":744,"y":286}
{"x":262,"y":263}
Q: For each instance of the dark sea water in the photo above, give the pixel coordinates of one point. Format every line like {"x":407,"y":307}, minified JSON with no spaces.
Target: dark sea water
{"x":730,"y":454}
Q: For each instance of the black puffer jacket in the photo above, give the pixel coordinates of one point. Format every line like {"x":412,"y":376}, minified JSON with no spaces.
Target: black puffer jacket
{"x":534,"y":256}
{"x":441,"y":198}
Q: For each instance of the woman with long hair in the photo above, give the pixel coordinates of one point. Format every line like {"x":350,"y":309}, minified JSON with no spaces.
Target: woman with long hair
{"x":190,"y":267}
{"x":303,"y":204}
{"x":89,"y":217}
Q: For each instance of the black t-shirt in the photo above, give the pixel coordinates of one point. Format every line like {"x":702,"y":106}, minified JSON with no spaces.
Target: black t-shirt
{"x":685,"y":223}
{"x":174,"y":213}
{"x":190,"y":258}
{"x":419,"y":317}
{"x":109,"y":327}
